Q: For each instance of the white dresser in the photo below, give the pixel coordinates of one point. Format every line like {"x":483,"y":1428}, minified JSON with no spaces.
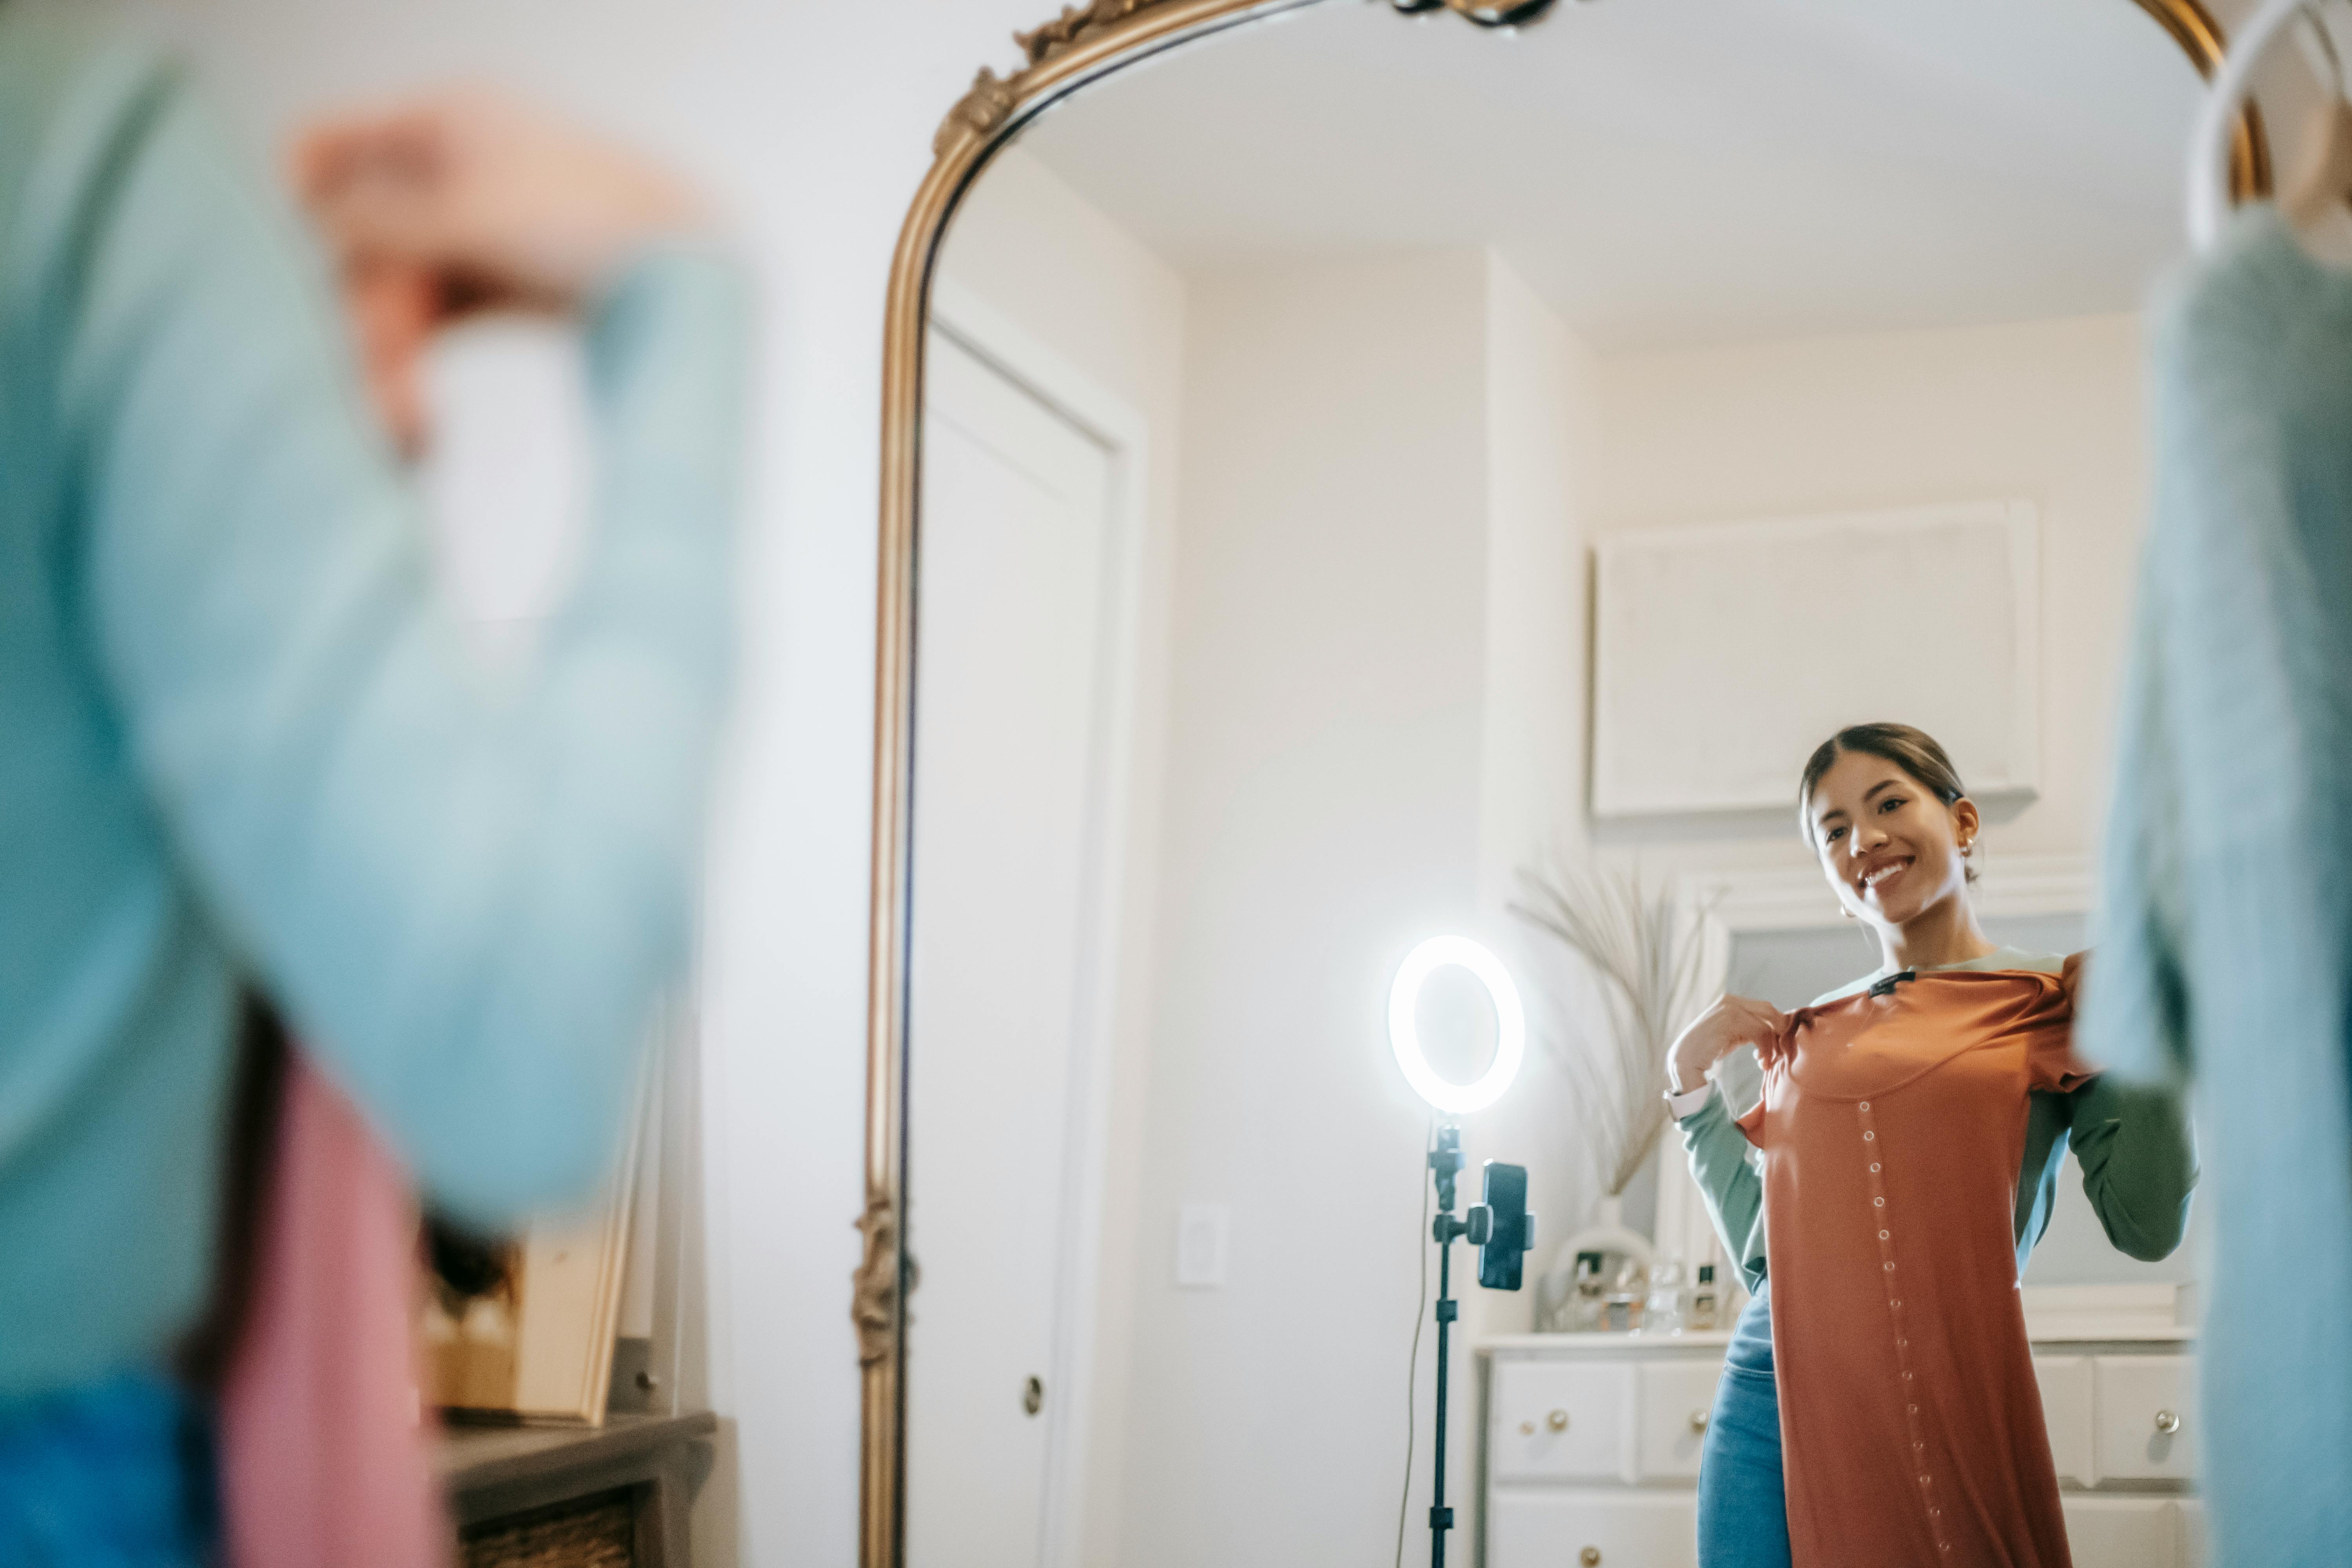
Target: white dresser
{"x":1589,"y":1443}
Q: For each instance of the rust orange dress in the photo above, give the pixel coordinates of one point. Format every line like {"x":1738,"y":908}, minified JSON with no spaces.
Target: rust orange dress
{"x":1892,"y":1129}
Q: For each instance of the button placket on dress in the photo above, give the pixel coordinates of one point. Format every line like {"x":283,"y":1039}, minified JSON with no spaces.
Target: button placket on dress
{"x":1882,"y":1220}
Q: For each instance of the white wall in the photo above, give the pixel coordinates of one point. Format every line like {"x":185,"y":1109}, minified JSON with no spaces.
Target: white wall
{"x":2049,"y":411}
{"x":1321,"y":816}
{"x":1544,"y":457}
{"x":1088,"y":294}
{"x":1542,"y":427}
{"x":1085,"y":288}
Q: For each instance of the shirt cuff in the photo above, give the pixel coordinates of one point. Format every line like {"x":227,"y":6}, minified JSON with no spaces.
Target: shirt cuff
{"x":1681,"y":1105}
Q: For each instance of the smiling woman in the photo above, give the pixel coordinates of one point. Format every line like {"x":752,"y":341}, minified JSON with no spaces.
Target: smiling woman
{"x":1936,"y":1097}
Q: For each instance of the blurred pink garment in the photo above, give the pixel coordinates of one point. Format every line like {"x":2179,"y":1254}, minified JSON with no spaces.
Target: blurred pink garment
{"x":323,"y":1457}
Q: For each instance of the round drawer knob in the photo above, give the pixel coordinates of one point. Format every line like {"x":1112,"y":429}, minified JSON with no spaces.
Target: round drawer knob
{"x":2167,"y":1422}
{"x":1699,"y":1420}
{"x":1527,"y":1429}
{"x":1558,"y":1422}
{"x":1590,"y":1557}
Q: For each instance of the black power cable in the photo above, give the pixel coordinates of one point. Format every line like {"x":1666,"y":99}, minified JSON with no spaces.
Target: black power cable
{"x":1413,"y":1362}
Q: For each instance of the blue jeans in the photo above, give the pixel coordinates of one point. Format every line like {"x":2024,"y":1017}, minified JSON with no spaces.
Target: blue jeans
{"x":1743,"y":1503}
{"x":112,"y":1474}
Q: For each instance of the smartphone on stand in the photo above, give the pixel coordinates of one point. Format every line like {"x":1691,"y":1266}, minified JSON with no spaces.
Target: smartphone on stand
{"x":1513,"y":1228}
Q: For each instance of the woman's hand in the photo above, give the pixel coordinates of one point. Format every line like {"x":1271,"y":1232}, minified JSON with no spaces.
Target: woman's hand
{"x":500,"y":204}
{"x":394,"y":309}
{"x":2070,"y":978}
{"x":1731,"y":1023}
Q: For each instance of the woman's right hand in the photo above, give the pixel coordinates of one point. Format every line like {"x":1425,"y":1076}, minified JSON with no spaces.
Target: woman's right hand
{"x":1731,"y":1023}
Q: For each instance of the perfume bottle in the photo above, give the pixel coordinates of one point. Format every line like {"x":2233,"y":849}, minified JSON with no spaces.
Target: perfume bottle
{"x":1704,"y":1312}
{"x":1626,"y":1295}
{"x":1663,"y":1312}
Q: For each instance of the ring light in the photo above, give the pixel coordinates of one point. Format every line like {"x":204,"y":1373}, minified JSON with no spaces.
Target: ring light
{"x":1510,"y":1024}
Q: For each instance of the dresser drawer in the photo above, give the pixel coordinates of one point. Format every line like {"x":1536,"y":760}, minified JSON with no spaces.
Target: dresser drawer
{"x":1561,"y":1421}
{"x":2148,"y":1417}
{"x":2067,"y":1408}
{"x":1592,"y":1529}
{"x":1673,"y":1402}
{"x":2123,"y":1532}
{"x":2192,"y":1533}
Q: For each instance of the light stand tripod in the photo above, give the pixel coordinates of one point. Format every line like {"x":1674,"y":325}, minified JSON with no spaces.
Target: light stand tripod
{"x":1445,"y":1163}
{"x":1503,"y":1230}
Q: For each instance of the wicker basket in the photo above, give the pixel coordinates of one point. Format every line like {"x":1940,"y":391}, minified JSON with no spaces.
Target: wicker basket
{"x":597,"y":1531}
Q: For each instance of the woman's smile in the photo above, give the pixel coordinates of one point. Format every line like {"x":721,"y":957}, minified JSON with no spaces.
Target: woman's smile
{"x":1878,"y":873}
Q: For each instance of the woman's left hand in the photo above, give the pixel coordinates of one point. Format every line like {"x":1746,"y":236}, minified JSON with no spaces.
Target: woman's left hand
{"x":2071,"y":977}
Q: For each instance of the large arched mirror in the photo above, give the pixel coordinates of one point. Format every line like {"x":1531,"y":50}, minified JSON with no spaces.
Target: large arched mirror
{"x":1351,"y":477}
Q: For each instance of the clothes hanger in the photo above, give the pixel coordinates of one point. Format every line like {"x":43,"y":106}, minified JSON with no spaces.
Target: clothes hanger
{"x":2208,"y":180}
{"x":2324,"y":181}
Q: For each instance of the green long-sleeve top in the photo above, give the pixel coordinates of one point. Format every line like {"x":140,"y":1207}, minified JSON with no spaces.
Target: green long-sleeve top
{"x":2133,"y":1142}
{"x":239,"y":735}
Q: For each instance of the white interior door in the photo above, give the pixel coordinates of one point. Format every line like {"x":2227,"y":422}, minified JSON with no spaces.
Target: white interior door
{"x":1009,"y":720}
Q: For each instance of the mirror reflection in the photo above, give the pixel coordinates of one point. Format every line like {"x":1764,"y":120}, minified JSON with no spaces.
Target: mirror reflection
{"x":1384,"y":480}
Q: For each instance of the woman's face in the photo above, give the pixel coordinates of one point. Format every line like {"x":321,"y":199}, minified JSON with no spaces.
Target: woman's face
{"x":1887,"y":845}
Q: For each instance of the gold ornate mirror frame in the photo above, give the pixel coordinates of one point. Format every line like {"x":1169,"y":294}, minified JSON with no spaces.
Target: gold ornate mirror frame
{"x":1085,"y":44}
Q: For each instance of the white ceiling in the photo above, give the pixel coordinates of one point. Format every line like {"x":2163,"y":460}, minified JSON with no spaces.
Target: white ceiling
{"x":1674,"y":171}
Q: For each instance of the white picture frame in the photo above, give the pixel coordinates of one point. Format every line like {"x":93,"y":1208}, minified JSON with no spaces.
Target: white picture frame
{"x":1723,"y":652}
{"x":539,"y":1348}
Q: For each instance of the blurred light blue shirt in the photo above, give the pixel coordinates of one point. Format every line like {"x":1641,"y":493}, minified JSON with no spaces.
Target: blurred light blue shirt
{"x":2225,"y":944}
{"x":239,"y":737}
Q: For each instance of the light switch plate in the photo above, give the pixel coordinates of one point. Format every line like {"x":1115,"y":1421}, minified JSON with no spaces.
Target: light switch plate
{"x":1201,"y":1232}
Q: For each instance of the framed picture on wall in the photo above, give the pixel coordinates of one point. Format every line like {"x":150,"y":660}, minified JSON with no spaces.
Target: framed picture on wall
{"x":522,"y":1327}
{"x":1724,"y":653}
